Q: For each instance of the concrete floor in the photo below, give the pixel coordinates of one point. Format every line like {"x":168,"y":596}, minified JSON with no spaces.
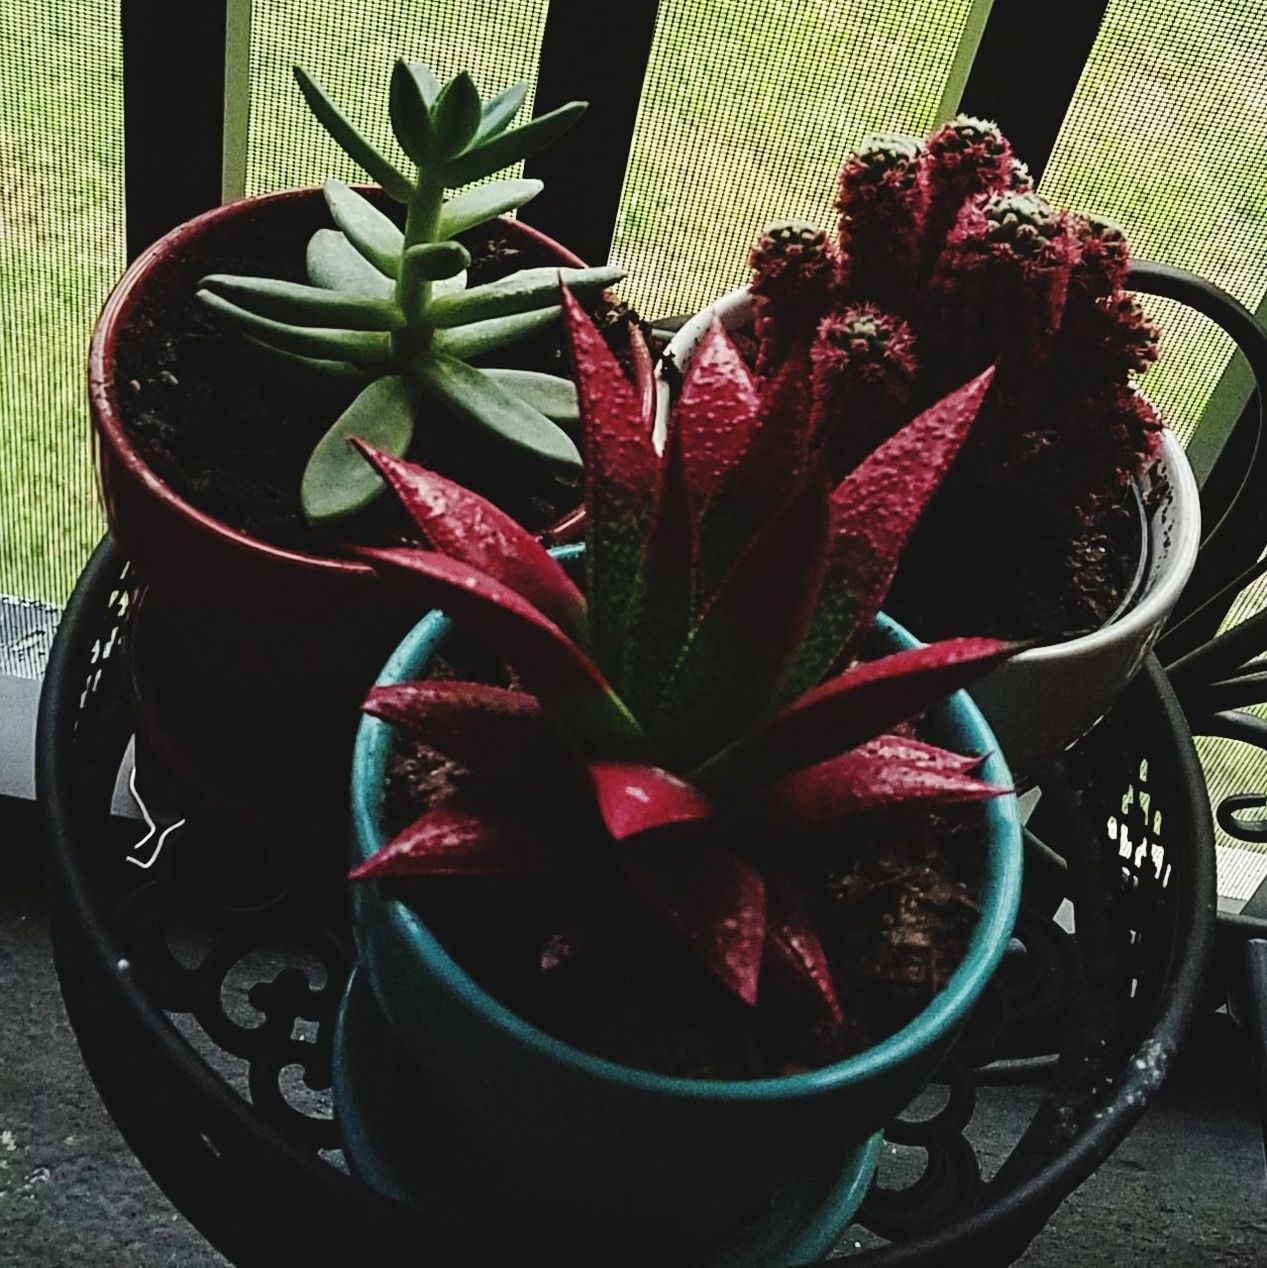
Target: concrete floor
{"x":1186,"y":1188}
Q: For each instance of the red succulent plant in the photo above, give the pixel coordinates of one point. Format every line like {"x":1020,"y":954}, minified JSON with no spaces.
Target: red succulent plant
{"x":702,"y":689}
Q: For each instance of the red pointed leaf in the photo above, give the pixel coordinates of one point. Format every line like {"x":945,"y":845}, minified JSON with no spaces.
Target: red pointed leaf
{"x":866,"y":700}
{"x":620,"y":480}
{"x":764,"y":474}
{"x":644,"y":377}
{"x":632,"y":798}
{"x":551,"y":666}
{"x":714,"y":901}
{"x":504,"y":736}
{"x":874,"y":511}
{"x":794,"y":956}
{"x":465,"y":526}
{"x":454,"y":840}
{"x":878,"y":776}
{"x":714,"y":413}
{"x":738,"y":651}
{"x":662,"y":609}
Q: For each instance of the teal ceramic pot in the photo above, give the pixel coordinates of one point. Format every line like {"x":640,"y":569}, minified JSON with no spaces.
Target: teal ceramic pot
{"x":615,"y":1159}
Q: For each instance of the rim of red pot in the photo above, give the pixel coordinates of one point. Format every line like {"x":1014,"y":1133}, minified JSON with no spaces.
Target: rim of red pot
{"x":108,"y":427}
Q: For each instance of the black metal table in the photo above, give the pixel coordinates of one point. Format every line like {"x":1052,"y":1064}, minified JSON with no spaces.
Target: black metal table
{"x":202,"y":988}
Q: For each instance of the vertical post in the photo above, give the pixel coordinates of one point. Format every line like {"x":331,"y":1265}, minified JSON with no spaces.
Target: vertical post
{"x":173,"y":113}
{"x":237,"y":100}
{"x":1027,"y":68}
{"x":587,"y":54}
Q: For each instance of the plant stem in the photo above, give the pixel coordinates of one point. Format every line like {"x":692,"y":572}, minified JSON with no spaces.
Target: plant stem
{"x":422,"y":223}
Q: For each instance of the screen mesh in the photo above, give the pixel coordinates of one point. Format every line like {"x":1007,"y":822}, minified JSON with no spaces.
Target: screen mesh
{"x":1158,"y":139}
{"x":61,"y":248}
{"x":351,"y":49}
{"x":747,"y":111}
{"x":1164,"y":137}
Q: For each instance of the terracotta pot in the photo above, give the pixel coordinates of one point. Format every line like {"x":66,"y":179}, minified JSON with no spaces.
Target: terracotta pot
{"x":1043,"y":700}
{"x":279,"y":638}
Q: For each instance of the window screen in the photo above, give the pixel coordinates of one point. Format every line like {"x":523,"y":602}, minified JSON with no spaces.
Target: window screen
{"x":747,"y":111}
{"x":61,"y":248}
{"x":1164,"y":135}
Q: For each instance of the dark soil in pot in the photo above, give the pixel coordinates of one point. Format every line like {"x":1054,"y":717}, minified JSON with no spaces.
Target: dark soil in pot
{"x":577,"y":957}
{"x":230,"y":431}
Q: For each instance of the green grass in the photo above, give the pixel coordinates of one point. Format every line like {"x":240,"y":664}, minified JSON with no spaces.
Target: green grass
{"x":749,"y":106}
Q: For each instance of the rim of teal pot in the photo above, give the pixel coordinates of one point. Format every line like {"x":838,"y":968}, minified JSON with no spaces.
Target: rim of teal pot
{"x":999,"y":899}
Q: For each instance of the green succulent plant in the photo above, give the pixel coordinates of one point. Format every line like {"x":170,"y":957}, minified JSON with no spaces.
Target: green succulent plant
{"x":390,"y":308}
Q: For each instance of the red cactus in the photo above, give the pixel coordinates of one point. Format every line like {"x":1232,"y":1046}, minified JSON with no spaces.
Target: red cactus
{"x":793,"y":267}
{"x":661,"y":754}
{"x":863,"y":384}
{"x":963,"y":159}
{"x":883,"y":200}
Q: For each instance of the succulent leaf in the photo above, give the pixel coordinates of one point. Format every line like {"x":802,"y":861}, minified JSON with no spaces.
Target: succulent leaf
{"x":851,"y":708}
{"x":633,"y":798}
{"x":738,"y":651}
{"x":455,"y":117}
{"x":336,"y":482}
{"x":716,"y":411}
{"x":479,"y":337}
{"x":498,"y":412}
{"x":874,"y":510}
{"x":550,"y":664}
{"x":455,"y":840}
{"x":335,"y":264}
{"x":353,"y":144}
{"x":879,"y":776}
{"x":498,"y":111}
{"x":435,"y":261}
{"x":410,"y":113}
{"x":521,"y":292}
{"x":504,"y":737}
{"x":361,"y":347}
{"x":794,"y":955}
{"x":553,"y":396}
{"x":469,"y":528}
{"x":495,"y":152}
{"x":428,"y":85}
{"x":316,"y":368}
{"x":473,"y":207}
{"x":716,"y":903}
{"x":365,"y":227}
{"x":620,"y":480}
{"x":304,"y":305}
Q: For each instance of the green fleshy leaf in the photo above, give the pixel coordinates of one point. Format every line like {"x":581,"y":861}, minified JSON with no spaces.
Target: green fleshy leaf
{"x":304,"y":305}
{"x":465,"y":211}
{"x":500,"y":110}
{"x":499,"y":413}
{"x":311,"y":367}
{"x":428,"y":84}
{"x":353,"y":144}
{"x":365,"y":227}
{"x":509,"y":147}
{"x":553,"y":396}
{"x":455,"y":117}
{"x":335,"y":264}
{"x":361,"y":347}
{"x":337,"y":481}
{"x":433,"y":261}
{"x":487,"y":336}
{"x":519,"y":293}
{"x":449,"y":285}
{"x":410,"y":113}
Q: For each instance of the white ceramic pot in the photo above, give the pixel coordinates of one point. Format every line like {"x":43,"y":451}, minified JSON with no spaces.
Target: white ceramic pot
{"x":1046,"y":698}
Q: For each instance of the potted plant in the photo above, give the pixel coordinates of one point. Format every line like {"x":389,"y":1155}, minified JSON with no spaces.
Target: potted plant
{"x":676,"y":911}
{"x":946,"y":260}
{"x":220,"y":403}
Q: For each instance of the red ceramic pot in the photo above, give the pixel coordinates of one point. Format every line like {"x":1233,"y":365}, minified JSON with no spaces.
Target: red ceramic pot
{"x":277,"y":637}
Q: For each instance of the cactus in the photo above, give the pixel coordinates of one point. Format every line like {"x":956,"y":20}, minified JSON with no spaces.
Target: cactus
{"x":793,"y":265}
{"x":948,"y":261}
{"x":662,"y":709}
{"x":389,"y":310}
